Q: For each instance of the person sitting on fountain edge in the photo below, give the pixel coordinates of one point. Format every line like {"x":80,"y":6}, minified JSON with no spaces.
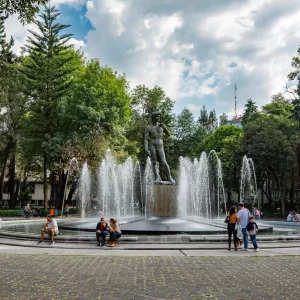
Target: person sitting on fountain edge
{"x":51,"y":228}
{"x":115,"y":232}
{"x":101,"y":232}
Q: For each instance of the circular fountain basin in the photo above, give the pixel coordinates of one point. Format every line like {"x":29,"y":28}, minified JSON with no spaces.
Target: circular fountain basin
{"x":157,"y":226}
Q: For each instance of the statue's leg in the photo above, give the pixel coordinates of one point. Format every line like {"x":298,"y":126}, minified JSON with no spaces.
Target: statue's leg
{"x":163,"y":161}
{"x":152,"y":149}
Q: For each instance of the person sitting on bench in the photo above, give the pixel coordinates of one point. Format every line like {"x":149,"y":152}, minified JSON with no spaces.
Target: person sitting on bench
{"x":115,"y":232}
{"x":51,"y":228}
{"x":101,"y":232}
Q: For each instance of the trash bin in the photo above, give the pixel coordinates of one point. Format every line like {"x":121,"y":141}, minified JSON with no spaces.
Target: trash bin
{"x":51,"y":212}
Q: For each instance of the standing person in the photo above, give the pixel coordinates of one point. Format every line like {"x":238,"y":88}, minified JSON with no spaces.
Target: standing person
{"x":231,"y":228}
{"x":67,"y":208}
{"x":257,"y":214}
{"x":27,"y":211}
{"x":243,"y":219}
{"x":252,"y":229}
{"x":115,"y":232}
{"x":51,"y":228}
{"x":101,"y":232}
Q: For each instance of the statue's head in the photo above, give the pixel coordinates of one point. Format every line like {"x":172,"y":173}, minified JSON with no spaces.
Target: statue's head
{"x":155,"y":116}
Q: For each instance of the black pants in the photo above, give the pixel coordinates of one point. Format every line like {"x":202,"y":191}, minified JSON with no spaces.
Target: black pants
{"x":231,"y":229}
{"x":101,"y":236}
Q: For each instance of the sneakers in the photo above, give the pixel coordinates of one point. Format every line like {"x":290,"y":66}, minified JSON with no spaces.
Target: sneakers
{"x":40,"y":242}
{"x":244,"y":249}
{"x":51,"y":243}
{"x":256,"y":250}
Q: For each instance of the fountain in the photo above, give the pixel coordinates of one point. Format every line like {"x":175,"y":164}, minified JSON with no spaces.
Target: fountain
{"x":201,"y":189}
{"x":84,"y":190}
{"x":248,"y":186}
{"x":126,"y":191}
{"x":71,"y":163}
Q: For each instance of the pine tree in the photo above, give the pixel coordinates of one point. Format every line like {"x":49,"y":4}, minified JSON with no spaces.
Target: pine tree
{"x":11,"y":108}
{"x":6,"y":54}
{"x":47,"y":74}
{"x":250,"y":112}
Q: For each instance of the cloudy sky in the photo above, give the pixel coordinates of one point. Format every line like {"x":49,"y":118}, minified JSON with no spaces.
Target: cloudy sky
{"x":194,"y":49}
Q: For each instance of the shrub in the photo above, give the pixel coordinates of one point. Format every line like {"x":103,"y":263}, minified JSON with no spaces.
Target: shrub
{"x":8,"y":212}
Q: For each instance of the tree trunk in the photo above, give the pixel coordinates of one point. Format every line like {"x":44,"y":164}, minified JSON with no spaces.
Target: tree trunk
{"x":45,"y":183}
{"x":61,"y":189}
{"x":11,"y":184}
{"x":2,"y":175}
{"x":17,"y":189}
{"x":52,"y":186}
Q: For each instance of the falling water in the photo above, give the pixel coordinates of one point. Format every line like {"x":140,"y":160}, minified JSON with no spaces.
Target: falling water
{"x":198,"y":182}
{"x":148,"y":188}
{"x":84,"y":190}
{"x":248,"y":186}
{"x":116,"y":187}
{"x":72,"y":162}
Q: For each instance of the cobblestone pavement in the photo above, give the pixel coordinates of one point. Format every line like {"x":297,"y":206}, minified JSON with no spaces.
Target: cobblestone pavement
{"x":94,"y":277}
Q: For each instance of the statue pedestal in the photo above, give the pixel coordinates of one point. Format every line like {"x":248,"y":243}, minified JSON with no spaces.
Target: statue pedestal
{"x":165,"y":202}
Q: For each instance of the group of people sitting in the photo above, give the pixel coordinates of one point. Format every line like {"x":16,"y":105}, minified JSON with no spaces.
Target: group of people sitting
{"x":243,"y":219}
{"x":293,"y":216}
{"x":102,"y":230}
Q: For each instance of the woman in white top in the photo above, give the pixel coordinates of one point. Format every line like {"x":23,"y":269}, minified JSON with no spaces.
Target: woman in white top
{"x":115,"y":232}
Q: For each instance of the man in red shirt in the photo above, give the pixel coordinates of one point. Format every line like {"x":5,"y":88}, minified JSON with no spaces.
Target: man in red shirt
{"x":101,"y":232}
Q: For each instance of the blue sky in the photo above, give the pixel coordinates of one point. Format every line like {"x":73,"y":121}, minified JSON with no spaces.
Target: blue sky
{"x":195,"y":49}
{"x":75,"y":16}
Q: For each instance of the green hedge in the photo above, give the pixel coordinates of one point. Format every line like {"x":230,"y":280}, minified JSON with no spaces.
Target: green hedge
{"x":9,"y":212}
{"x":18,"y":212}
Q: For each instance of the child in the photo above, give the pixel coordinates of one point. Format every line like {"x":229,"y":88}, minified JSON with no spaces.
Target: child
{"x":252,"y":228}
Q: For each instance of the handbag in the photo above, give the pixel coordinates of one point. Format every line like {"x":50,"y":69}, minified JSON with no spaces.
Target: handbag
{"x":227,"y":220}
{"x":238,"y":229}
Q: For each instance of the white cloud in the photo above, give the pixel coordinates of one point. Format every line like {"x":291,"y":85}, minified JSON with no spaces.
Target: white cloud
{"x":14,"y":28}
{"x":69,"y":2}
{"x":78,"y":44}
{"x":196,"y":52}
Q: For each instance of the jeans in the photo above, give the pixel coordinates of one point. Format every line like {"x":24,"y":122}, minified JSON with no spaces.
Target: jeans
{"x":103,"y":235}
{"x":253,"y":240}
{"x":231,"y":229}
{"x":245,"y":237}
{"x":114,"y":236}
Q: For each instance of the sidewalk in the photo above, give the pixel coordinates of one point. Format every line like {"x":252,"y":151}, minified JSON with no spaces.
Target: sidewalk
{"x":145,"y":250}
{"x":143,"y":275}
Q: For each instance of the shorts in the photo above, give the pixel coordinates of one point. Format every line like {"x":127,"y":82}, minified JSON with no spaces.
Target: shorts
{"x":56,"y":232}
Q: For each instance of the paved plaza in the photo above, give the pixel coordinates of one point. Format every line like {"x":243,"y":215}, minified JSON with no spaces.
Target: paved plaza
{"x":65,"y":276}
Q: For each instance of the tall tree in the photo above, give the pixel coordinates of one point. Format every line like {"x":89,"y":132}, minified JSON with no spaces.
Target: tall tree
{"x":223,"y":119}
{"x":295,"y":75}
{"x":12,"y":109}
{"x":250,"y":112}
{"x":188,"y":134}
{"x":47,"y":80}
{"x":25,"y":9}
{"x":144,"y":101}
{"x":208,"y":120}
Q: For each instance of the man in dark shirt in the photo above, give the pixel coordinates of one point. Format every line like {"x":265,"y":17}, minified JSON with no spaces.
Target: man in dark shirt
{"x":101,"y":232}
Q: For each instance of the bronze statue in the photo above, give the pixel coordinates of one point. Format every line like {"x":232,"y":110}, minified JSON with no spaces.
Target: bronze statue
{"x":156,"y":146}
